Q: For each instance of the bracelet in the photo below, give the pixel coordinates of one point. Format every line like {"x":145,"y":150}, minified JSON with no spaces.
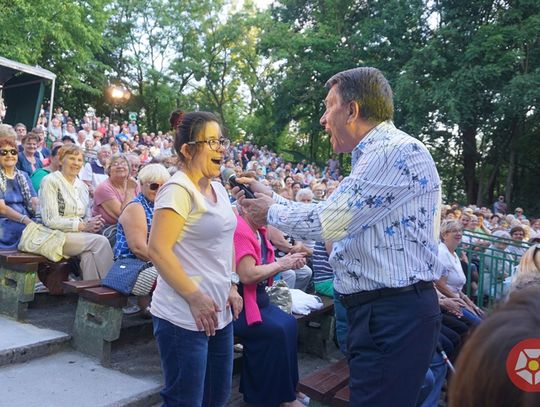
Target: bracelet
{"x":22,"y":218}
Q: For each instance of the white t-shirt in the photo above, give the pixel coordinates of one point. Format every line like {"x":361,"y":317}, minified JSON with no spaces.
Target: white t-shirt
{"x":451,"y":269}
{"x":204,"y":249}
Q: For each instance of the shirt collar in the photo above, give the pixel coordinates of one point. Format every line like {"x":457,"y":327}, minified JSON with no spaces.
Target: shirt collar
{"x":371,"y":137}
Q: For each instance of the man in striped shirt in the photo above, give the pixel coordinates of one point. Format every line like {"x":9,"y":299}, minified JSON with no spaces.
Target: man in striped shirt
{"x":383,"y":219}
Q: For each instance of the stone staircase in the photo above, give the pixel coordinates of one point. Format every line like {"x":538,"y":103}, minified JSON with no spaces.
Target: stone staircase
{"x":38,"y":367}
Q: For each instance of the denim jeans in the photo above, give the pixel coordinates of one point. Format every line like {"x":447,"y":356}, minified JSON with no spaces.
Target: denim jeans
{"x":197,"y":368}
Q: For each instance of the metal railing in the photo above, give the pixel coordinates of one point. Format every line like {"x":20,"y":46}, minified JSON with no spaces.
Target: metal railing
{"x":490,"y":265}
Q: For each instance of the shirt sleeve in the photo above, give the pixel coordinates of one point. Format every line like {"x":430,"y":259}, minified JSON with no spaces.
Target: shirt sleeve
{"x":104,"y":192}
{"x":382,"y":180}
{"x":86,"y":173}
{"x":175,"y":197}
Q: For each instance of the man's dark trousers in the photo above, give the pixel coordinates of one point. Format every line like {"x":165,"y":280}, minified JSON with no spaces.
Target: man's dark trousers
{"x":391,"y":343}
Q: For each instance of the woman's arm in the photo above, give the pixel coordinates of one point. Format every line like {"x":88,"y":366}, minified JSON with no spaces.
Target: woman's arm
{"x":278,"y":239}
{"x":249,"y":273}
{"x":10,"y":213}
{"x":167,"y":225}
{"x":443,"y":288}
{"x":133,"y":221}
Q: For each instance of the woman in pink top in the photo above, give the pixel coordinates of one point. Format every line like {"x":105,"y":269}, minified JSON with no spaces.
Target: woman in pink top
{"x":113,"y":194}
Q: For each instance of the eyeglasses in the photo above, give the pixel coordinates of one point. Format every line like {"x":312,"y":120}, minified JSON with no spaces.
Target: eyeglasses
{"x":214,"y":144}
{"x":154,"y":186}
{"x":12,"y":151}
{"x":119,"y":164}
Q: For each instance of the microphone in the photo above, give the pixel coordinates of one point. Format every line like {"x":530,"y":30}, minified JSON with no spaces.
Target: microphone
{"x":229,"y":177}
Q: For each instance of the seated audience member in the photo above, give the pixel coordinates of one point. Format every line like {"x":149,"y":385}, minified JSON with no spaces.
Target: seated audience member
{"x":64,"y":202}
{"x":453,"y":279}
{"x":90,"y":153}
{"x":319,"y":191}
{"x":70,"y":131}
{"x":93,"y":173}
{"x":67,"y":140}
{"x":528,"y":271}
{"x":481,"y":377}
{"x":42,"y":152}
{"x":17,"y":196}
{"x":135,"y":220}
{"x":517,"y":248}
{"x":113,"y":194}
{"x":135,"y":163}
{"x":300,"y":277}
{"x":20,"y":130}
{"x":269,"y":363}
{"x":28,"y":160}
{"x":53,"y":166}
{"x":498,"y":265}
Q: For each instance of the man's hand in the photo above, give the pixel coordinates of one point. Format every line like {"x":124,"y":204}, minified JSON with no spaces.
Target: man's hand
{"x":254,"y":185}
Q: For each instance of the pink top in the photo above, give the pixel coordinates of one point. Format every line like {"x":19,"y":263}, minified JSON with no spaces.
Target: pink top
{"x":105,"y":192}
{"x":247,"y":244}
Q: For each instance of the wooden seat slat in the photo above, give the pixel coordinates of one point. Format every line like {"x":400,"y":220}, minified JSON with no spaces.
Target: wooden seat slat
{"x":322,"y":385}
{"x":104,"y":296}
{"x":16,"y":257}
{"x":77,"y":286}
{"x":341,"y":398}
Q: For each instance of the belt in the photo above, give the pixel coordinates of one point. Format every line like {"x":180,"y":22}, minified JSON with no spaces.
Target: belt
{"x":353,"y":300}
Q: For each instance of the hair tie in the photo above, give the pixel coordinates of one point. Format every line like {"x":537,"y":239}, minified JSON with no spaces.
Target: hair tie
{"x":178,"y":120}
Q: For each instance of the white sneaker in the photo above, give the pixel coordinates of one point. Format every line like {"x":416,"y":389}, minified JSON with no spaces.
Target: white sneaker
{"x":131,"y":309}
{"x":40,"y":288}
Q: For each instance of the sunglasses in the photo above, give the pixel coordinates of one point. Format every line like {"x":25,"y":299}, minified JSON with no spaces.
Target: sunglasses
{"x":154,"y":186}
{"x":12,"y":151}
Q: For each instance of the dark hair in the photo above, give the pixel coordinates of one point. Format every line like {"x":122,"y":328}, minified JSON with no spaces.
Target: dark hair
{"x":481,"y":378}
{"x":188,"y":127}
{"x":54,"y":151}
{"x":369,"y":88}
{"x":516,"y":229}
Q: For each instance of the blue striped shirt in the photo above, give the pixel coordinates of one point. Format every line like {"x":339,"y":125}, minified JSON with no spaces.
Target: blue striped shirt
{"x":383,"y":218}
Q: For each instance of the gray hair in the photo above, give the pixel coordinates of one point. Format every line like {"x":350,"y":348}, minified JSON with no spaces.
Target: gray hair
{"x":369,"y":88}
{"x":449,"y":226}
{"x":7,"y":131}
{"x":153,"y":173}
{"x":304,"y":193}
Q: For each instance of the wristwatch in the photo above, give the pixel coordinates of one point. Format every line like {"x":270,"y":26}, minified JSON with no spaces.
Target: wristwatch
{"x":235,"y":278}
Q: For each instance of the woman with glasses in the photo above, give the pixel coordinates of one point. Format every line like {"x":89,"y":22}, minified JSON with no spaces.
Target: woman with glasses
{"x":191,"y":245}
{"x":17,"y":195}
{"x":113,"y":194}
{"x":134,"y":226}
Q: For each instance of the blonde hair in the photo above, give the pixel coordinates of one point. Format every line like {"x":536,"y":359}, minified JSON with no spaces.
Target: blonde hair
{"x":71,"y":149}
{"x":528,"y":271}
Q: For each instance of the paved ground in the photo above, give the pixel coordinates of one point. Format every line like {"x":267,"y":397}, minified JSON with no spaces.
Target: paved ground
{"x":135,"y":364}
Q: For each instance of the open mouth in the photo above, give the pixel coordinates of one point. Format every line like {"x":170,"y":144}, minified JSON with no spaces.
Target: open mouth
{"x":216,"y":161}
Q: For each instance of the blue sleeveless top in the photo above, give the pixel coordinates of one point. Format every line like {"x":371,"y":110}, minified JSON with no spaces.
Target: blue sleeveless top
{"x":121,"y":248}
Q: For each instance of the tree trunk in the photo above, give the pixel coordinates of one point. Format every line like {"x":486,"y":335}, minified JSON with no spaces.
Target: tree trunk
{"x":509,"y":184}
{"x":470,"y":155}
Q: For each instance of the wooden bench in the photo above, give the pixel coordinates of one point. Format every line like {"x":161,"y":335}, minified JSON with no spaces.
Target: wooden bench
{"x":328,"y":386}
{"x":18,"y":277}
{"x":98,"y":318}
{"x":316,"y":329}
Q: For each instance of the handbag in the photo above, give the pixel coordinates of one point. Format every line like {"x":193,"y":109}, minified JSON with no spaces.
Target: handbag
{"x":280,"y":296}
{"x":39,"y":239}
{"x":123,"y":274}
{"x":145,"y":281}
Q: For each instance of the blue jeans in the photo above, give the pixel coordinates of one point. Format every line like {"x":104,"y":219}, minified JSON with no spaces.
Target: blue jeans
{"x":197,"y":368}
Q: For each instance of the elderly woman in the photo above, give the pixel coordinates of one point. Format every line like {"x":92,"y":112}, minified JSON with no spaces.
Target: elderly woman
{"x":28,"y":159}
{"x":17,"y":196}
{"x":267,"y":333}
{"x":64,"y":203}
{"x":113,"y":194}
{"x":453,"y":279}
{"x":135,"y":221}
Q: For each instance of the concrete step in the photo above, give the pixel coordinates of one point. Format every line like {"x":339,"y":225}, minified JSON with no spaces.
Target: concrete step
{"x":71,"y":379}
{"x":20,"y":342}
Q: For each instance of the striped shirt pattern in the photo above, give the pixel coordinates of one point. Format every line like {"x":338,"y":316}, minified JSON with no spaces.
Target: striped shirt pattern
{"x":322,"y":270}
{"x":383,"y":218}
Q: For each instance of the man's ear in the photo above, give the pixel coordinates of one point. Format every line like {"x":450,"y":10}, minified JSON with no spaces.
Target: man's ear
{"x":354,"y":111}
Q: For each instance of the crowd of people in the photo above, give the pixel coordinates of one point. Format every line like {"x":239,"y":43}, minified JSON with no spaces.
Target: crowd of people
{"x":158,"y":197}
